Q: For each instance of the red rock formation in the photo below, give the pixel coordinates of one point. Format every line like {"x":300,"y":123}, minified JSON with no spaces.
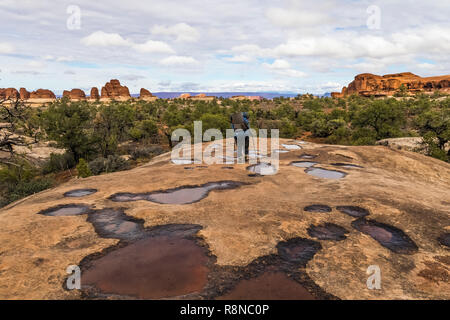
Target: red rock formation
{"x":201,"y":95}
{"x":42,"y":94}
{"x":9,"y":93}
{"x":94,"y":94}
{"x":76,"y":94}
{"x":368,"y":84}
{"x":24,"y":94}
{"x":114,"y":89}
{"x":184,"y":96}
{"x":145,"y":93}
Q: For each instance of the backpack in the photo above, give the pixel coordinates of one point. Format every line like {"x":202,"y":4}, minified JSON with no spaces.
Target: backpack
{"x":237,"y":119}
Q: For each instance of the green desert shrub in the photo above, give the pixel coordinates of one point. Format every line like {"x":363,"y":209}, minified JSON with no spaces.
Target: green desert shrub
{"x":146,"y":152}
{"x":59,"y":162}
{"x":18,"y":180}
{"x":110,"y":164}
{"x":26,"y":188}
{"x":83,"y":169}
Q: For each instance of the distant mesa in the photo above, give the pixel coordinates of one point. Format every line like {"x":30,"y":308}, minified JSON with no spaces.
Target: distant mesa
{"x":94,"y":94}
{"x":114,"y":90}
{"x":185,"y":96}
{"x":242,"y":97}
{"x":75,"y":94}
{"x":203,"y":97}
{"x":368,"y":84}
{"x":200,"y":96}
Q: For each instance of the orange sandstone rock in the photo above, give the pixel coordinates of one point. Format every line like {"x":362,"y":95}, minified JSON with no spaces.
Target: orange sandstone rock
{"x":114,"y":89}
{"x":94,"y":94}
{"x":75,"y":94}
{"x":367,"y":84}
{"x":145,"y":93}
{"x":42,"y":94}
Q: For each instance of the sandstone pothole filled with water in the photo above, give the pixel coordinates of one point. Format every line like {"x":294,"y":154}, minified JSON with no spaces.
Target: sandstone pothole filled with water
{"x":161,"y":266}
{"x":346,"y":165}
{"x":66,"y":210}
{"x":353,"y":211}
{"x":79,"y":193}
{"x":303,"y":164}
{"x":291,"y":146}
{"x":181,"y":195}
{"x":268,"y":286}
{"x":388,"y":236}
{"x":324,"y":173}
{"x":328,"y":231}
{"x":318,"y":208}
{"x":445,"y":239}
{"x":263,"y":169}
{"x":307,"y":156}
{"x":298,"y":250}
{"x":280,"y":151}
{"x":114,"y":223}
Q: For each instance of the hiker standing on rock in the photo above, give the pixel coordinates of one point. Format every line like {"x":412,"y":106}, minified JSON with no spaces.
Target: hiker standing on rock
{"x":241,"y":127}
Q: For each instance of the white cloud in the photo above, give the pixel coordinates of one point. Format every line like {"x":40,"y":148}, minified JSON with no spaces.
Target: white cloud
{"x":239,"y":58}
{"x":278,"y":65}
{"x":6,"y":48}
{"x":36,"y":64}
{"x":58,"y":59}
{"x":178,"y":61}
{"x":283,"y":68}
{"x":152,"y":46}
{"x":295,"y":18}
{"x":182,"y":31}
{"x":103,"y":39}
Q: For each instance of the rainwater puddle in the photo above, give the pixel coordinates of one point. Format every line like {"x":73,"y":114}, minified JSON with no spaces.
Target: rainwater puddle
{"x":324,"y":173}
{"x":388,"y":236}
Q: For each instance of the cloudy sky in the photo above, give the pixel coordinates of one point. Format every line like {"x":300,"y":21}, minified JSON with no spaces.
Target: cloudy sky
{"x":228,"y":45}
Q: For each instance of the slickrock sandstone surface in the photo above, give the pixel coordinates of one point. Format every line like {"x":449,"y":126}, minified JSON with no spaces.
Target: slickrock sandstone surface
{"x":114,"y":90}
{"x":368,"y":84}
{"x":390,"y":208}
{"x":75,"y":94}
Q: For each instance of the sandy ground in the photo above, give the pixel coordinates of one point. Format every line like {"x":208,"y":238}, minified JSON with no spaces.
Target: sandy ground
{"x":403,"y":189}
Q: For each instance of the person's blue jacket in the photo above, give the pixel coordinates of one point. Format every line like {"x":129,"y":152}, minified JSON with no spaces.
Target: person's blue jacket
{"x":245,"y":116}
